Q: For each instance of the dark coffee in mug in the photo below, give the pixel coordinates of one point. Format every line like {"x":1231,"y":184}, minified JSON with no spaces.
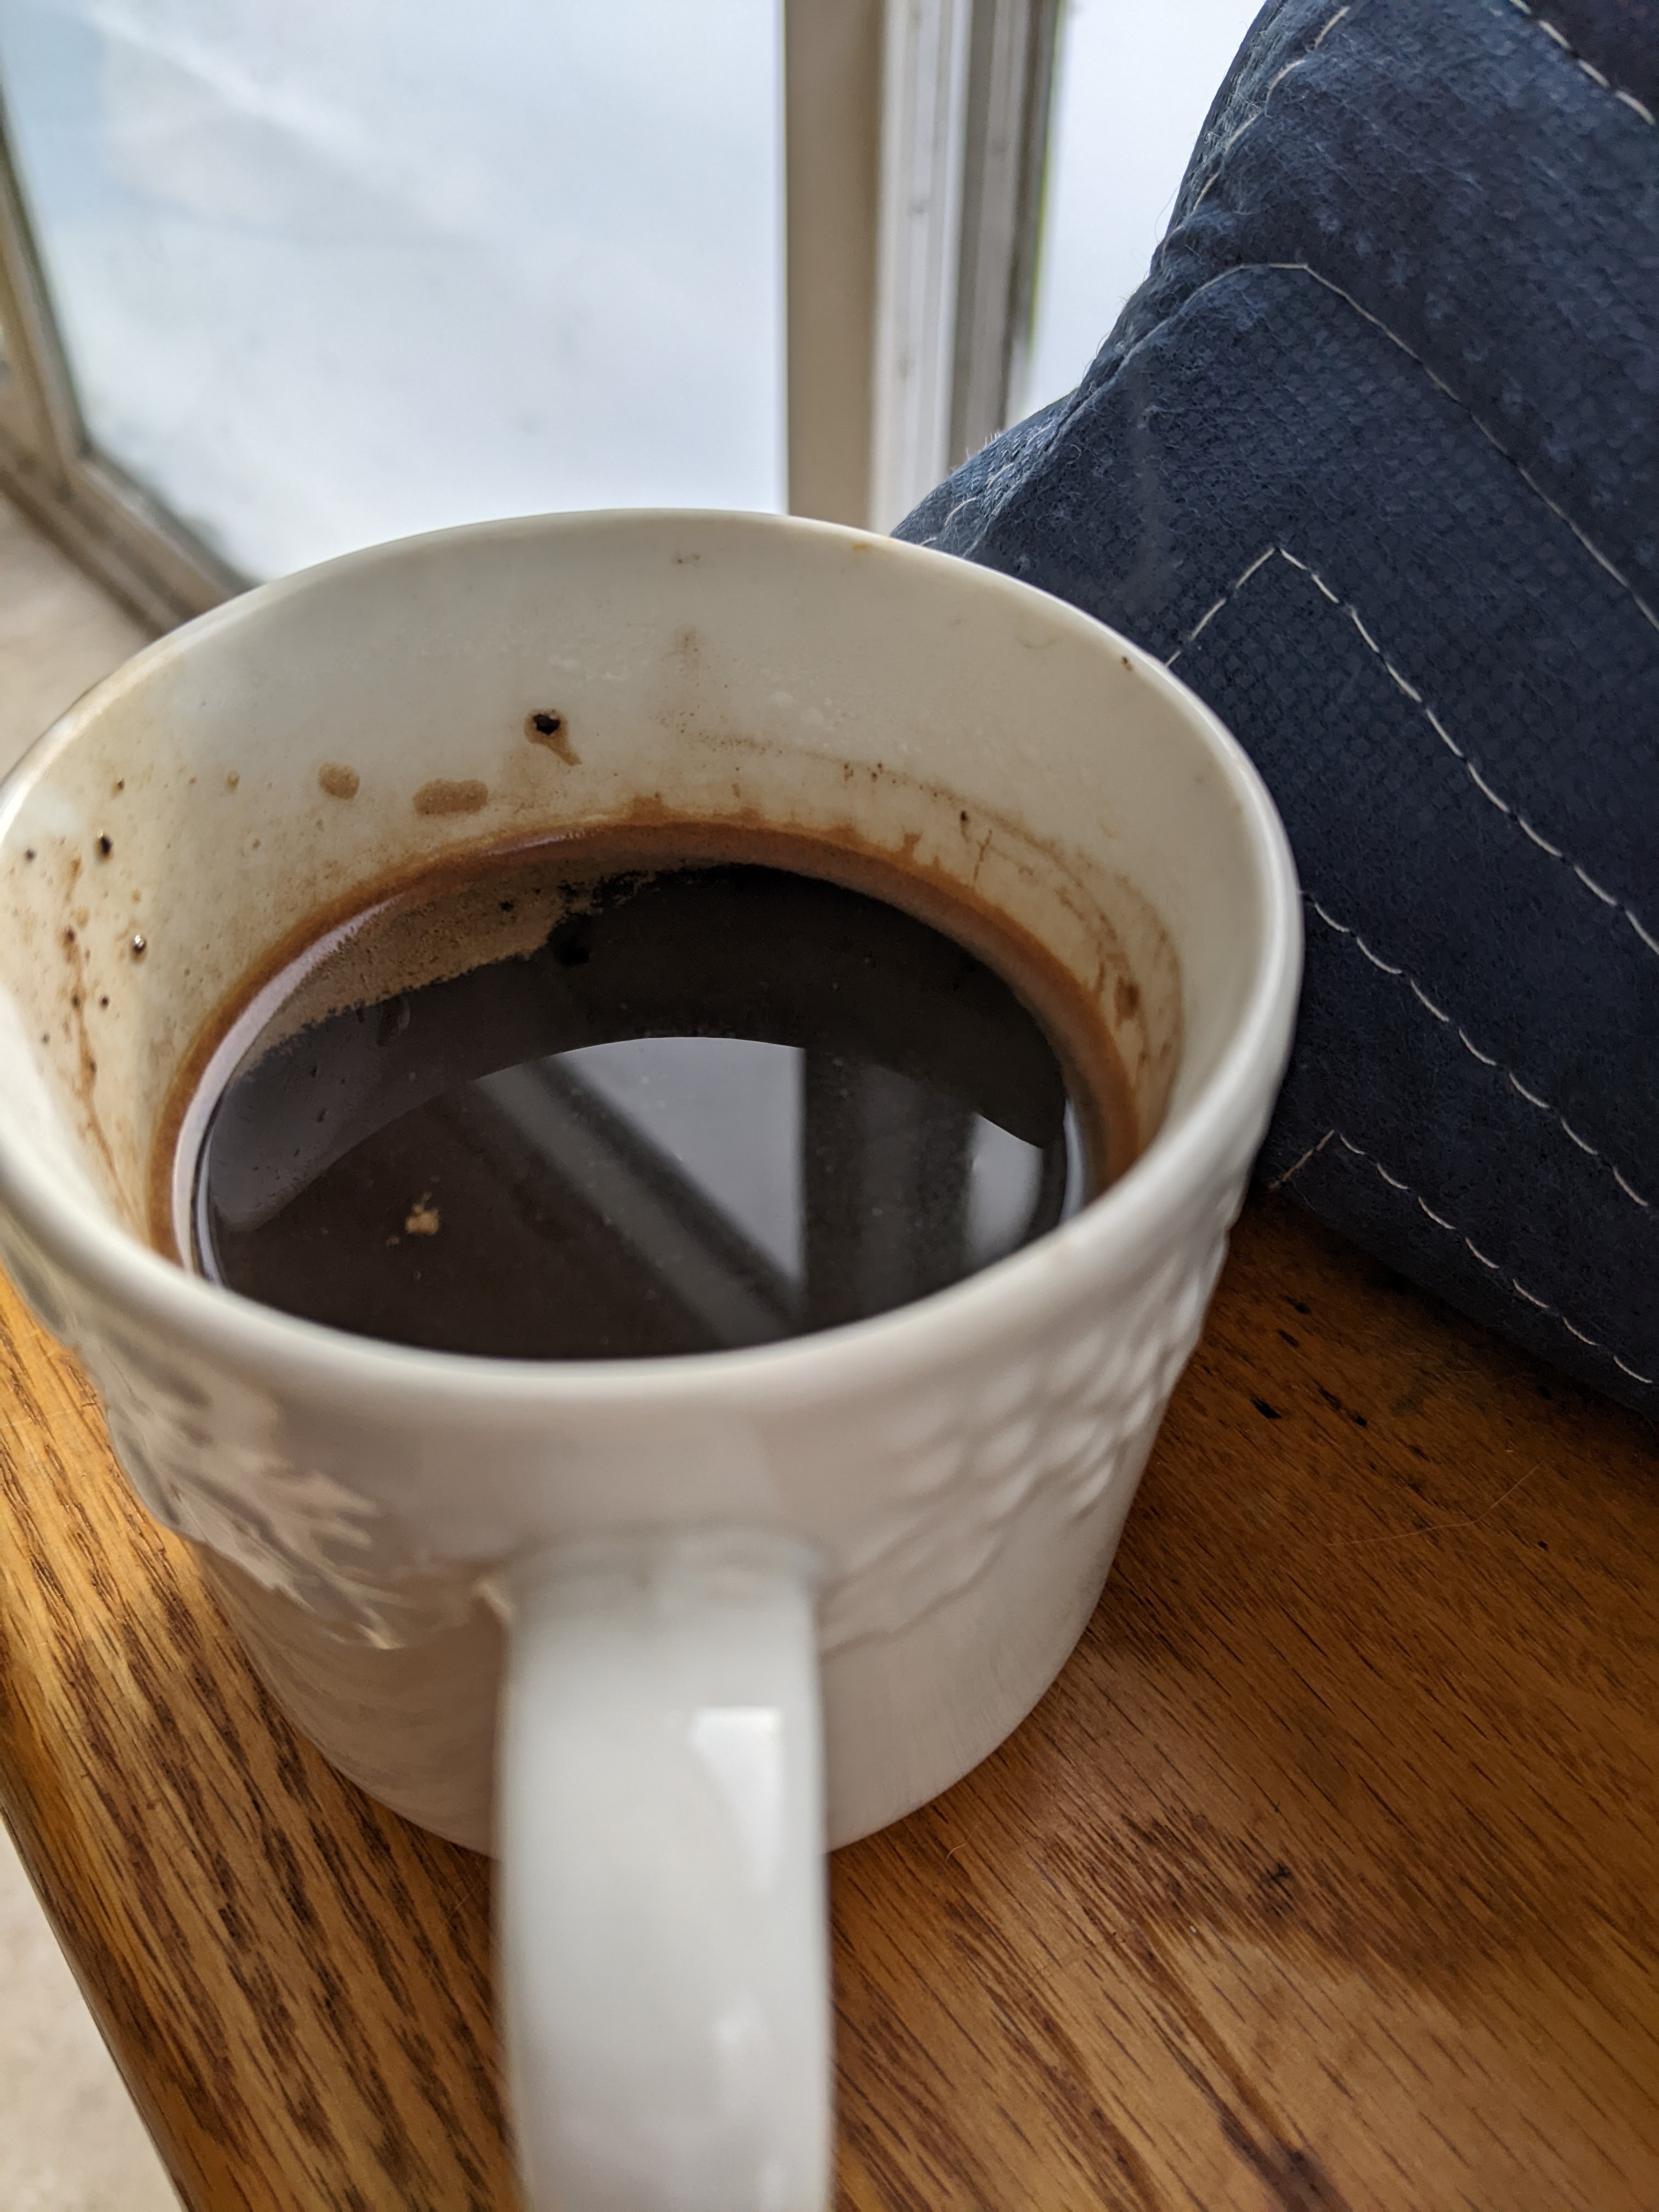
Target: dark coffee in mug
{"x":617,"y":1095}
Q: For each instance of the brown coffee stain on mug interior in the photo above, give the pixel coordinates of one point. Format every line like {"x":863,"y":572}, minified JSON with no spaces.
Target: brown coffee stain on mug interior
{"x":546,"y":728}
{"x":440,"y":796}
{"x":338,"y":780}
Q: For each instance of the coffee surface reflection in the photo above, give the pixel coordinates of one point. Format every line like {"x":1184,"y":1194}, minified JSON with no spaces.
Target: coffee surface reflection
{"x":713,"y":1106}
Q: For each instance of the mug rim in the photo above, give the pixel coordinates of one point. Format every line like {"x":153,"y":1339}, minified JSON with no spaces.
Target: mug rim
{"x":1112,"y":1236}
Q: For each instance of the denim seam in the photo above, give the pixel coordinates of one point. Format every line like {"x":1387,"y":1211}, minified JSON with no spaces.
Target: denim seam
{"x":1255,"y":117}
{"x":1543,"y":1105}
{"x":1304,"y":269}
{"x":1492,"y":1267}
{"x":1403,"y":684}
{"x":1457,"y":399}
{"x":1560,"y":39}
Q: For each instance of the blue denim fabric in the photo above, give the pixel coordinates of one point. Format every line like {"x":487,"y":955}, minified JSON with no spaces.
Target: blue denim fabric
{"x":1372,"y":460}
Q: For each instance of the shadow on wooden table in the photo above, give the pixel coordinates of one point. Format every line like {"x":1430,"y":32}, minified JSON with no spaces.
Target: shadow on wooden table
{"x":1323,"y":1877}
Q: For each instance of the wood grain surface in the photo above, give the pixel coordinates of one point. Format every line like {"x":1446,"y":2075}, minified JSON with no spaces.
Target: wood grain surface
{"x":1325,"y":1876}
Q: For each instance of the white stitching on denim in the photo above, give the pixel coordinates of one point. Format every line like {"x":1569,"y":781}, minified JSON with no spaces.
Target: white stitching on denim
{"x":1330,"y":922}
{"x":1260,"y":560}
{"x":1590,"y":885}
{"x":1256,"y":114}
{"x":1628,"y":99}
{"x":1296,"y":1166}
{"x":1444,"y":735}
{"x":1607,"y":898}
{"x":1410,"y":689}
{"x":1544,"y":1106}
{"x":1237,"y":585}
{"x":1202,"y":619}
{"x":1440,"y":1222}
{"x":1301,"y":269}
{"x":1479,"y":780}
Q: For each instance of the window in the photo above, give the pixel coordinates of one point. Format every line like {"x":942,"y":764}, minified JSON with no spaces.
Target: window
{"x":336,"y":271}
{"x":276,"y":282}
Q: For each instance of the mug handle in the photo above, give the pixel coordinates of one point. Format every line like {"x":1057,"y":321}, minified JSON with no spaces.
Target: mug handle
{"x":662,"y":1916}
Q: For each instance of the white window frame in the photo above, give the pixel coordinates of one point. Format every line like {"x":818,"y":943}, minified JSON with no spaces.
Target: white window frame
{"x":914,"y":133}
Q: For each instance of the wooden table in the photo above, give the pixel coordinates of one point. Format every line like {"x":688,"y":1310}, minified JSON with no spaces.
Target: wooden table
{"x":1326,"y":1875}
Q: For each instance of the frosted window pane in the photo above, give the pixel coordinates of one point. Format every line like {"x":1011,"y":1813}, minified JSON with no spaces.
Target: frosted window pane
{"x":1135,"y":84}
{"x":332,"y":270}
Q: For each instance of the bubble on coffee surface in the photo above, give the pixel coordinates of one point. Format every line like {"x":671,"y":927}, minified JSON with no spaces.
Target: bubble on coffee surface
{"x":679,"y":1110}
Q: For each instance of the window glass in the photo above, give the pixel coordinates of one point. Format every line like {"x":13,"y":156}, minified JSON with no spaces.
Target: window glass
{"x":334,"y":270}
{"x":1133,"y":86}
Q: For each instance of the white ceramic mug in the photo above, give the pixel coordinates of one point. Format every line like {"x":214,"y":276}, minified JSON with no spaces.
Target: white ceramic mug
{"x":743,"y":1604}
